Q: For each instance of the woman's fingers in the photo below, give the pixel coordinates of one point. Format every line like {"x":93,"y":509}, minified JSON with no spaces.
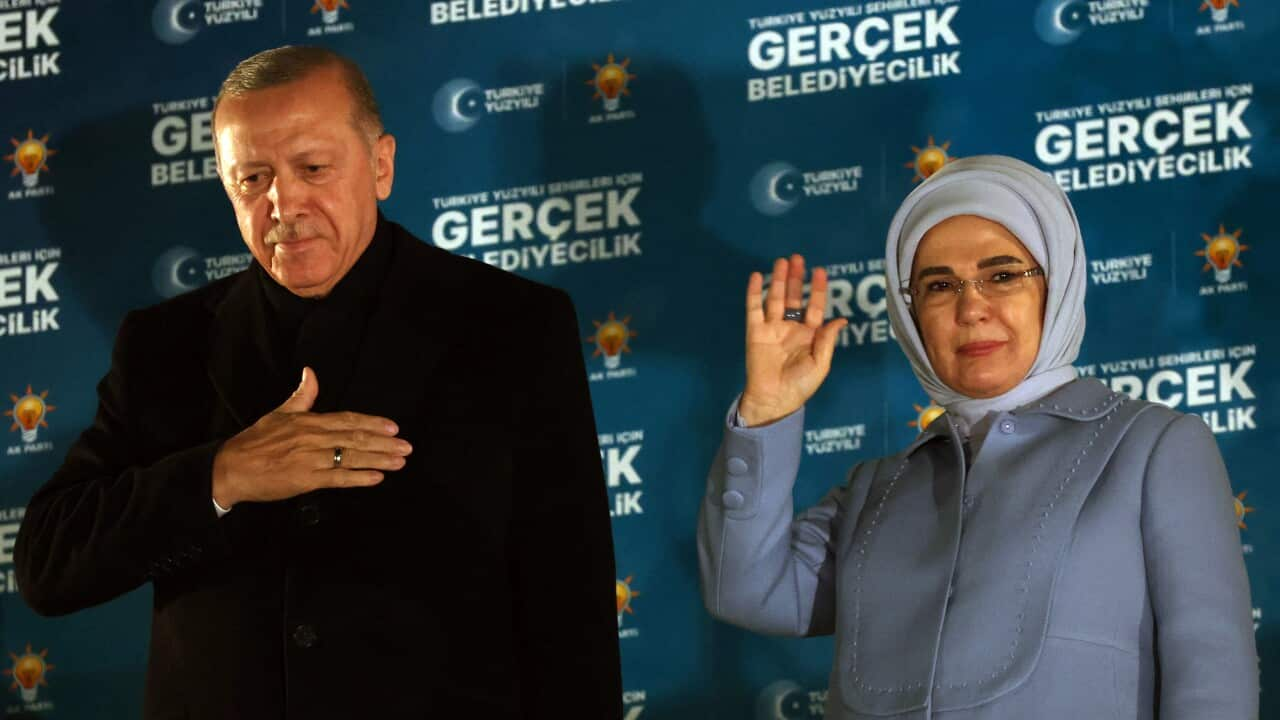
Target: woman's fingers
{"x":824,"y":342}
{"x":755,"y":299}
{"x":817,"y":308}
{"x":795,"y":282}
{"x":774,"y":303}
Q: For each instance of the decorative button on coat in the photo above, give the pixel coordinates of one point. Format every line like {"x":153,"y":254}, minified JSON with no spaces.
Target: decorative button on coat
{"x":304,"y":636}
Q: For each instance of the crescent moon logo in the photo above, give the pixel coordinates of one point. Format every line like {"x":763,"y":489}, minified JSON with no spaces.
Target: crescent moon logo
{"x":457,"y":105}
{"x":776,"y":188}
{"x":177,"y":271}
{"x":1059,"y":22}
{"x":782,"y":700}
{"x":176,"y":21}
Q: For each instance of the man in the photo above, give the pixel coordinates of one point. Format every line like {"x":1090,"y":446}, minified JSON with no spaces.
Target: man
{"x":418,"y":530}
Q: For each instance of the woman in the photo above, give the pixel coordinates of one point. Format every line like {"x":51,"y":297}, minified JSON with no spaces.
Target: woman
{"x":1045,"y":549}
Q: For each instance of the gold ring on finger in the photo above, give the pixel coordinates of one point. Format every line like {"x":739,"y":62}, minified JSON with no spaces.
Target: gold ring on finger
{"x":337,"y":456}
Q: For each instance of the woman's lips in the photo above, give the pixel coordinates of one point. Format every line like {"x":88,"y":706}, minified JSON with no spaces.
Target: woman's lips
{"x":978,"y":349}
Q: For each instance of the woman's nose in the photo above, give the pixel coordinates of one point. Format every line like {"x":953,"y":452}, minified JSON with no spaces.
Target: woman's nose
{"x":971,"y":304}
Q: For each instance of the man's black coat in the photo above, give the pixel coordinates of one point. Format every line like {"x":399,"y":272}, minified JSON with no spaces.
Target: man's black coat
{"x":476,"y":582}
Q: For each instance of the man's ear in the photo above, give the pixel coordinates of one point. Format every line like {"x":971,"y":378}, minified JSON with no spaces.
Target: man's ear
{"x":384,"y":165}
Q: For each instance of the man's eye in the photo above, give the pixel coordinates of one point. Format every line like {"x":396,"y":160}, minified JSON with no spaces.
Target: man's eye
{"x":313,"y":169}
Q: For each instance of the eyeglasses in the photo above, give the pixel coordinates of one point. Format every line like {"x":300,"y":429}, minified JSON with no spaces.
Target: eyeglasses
{"x":935,"y":291}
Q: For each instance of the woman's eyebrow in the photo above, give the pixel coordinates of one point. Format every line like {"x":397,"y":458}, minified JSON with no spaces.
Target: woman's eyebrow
{"x":936,"y":270}
{"x":998,"y":260}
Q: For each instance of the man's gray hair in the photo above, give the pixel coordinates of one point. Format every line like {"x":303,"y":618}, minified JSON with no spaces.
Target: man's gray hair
{"x":282,"y":65}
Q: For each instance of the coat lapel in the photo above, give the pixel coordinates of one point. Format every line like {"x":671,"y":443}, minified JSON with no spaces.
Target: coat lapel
{"x":241,"y":367}
{"x":402,"y":343}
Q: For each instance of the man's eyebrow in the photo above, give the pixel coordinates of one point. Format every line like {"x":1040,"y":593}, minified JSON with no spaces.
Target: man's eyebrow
{"x":998,"y":260}
{"x":236,"y":168}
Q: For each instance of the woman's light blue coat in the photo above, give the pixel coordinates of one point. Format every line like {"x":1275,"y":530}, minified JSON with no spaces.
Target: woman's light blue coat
{"x":1086,"y":566}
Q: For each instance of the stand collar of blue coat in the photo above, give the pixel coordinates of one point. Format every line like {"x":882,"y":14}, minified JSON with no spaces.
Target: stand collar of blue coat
{"x":1082,"y":400}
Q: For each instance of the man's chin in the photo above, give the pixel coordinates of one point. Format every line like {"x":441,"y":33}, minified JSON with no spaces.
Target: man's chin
{"x":304,"y":282}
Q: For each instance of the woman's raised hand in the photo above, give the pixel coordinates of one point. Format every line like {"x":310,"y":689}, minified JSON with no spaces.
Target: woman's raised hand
{"x":786,"y":359}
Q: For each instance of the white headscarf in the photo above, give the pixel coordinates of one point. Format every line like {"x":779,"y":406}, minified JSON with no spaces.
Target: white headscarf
{"x":1034,"y":208}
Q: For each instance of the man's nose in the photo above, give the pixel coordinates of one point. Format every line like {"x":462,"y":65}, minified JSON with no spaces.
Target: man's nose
{"x":287,"y":195}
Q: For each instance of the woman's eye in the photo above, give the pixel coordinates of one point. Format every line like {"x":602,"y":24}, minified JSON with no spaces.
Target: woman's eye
{"x":940,"y":286}
{"x":1002,"y":276}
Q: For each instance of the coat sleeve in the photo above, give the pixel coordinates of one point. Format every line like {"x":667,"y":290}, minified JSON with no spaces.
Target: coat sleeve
{"x":1208,"y":664}
{"x":106,"y":522}
{"x":561,"y":546}
{"x":762,"y":568}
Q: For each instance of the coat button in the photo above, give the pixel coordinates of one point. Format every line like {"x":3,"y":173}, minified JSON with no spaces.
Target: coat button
{"x":737,"y":466}
{"x":304,"y":636}
{"x":1008,"y":426}
{"x":732,"y":499}
{"x":310,"y":514}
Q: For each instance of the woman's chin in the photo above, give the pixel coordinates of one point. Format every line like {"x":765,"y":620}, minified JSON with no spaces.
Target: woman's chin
{"x":982,"y":388}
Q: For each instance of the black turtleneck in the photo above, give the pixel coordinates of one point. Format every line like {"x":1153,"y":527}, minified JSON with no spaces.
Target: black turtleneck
{"x":325,"y":333}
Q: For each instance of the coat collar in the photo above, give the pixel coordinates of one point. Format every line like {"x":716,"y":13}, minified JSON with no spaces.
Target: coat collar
{"x":395,"y":356}
{"x":1081,"y":400}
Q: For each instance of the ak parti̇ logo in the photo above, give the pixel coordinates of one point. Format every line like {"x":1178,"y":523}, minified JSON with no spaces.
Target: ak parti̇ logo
{"x":1241,"y":509}
{"x":925,"y":415}
{"x":929,"y":159}
{"x":611,"y":81}
{"x":329,"y":9}
{"x":29,"y":671}
{"x":625,"y":594}
{"x":1221,"y":252}
{"x":28,"y":413}
{"x":29,"y":157}
{"x":612,"y":338}
{"x":1219,"y":10}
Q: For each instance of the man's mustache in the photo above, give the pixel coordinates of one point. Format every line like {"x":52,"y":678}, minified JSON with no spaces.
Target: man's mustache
{"x":286,"y":232}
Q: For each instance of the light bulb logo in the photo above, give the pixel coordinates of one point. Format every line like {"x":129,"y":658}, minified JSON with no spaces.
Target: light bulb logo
{"x":925,"y":416}
{"x":612,"y":339}
{"x":328,"y":9}
{"x":622,"y":590}
{"x":29,"y":413}
{"x":1241,"y":509}
{"x":28,"y":672}
{"x":929,"y":159}
{"x":1218,"y":9}
{"x":611,"y":81}
{"x":29,"y":157}
{"x":1222,"y":252}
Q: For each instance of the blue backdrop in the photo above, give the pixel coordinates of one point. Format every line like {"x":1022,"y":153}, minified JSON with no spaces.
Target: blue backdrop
{"x":646,"y":155}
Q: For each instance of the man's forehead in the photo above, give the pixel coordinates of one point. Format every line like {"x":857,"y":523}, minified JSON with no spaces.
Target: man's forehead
{"x":248,"y":129}
{"x":321,"y":93}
